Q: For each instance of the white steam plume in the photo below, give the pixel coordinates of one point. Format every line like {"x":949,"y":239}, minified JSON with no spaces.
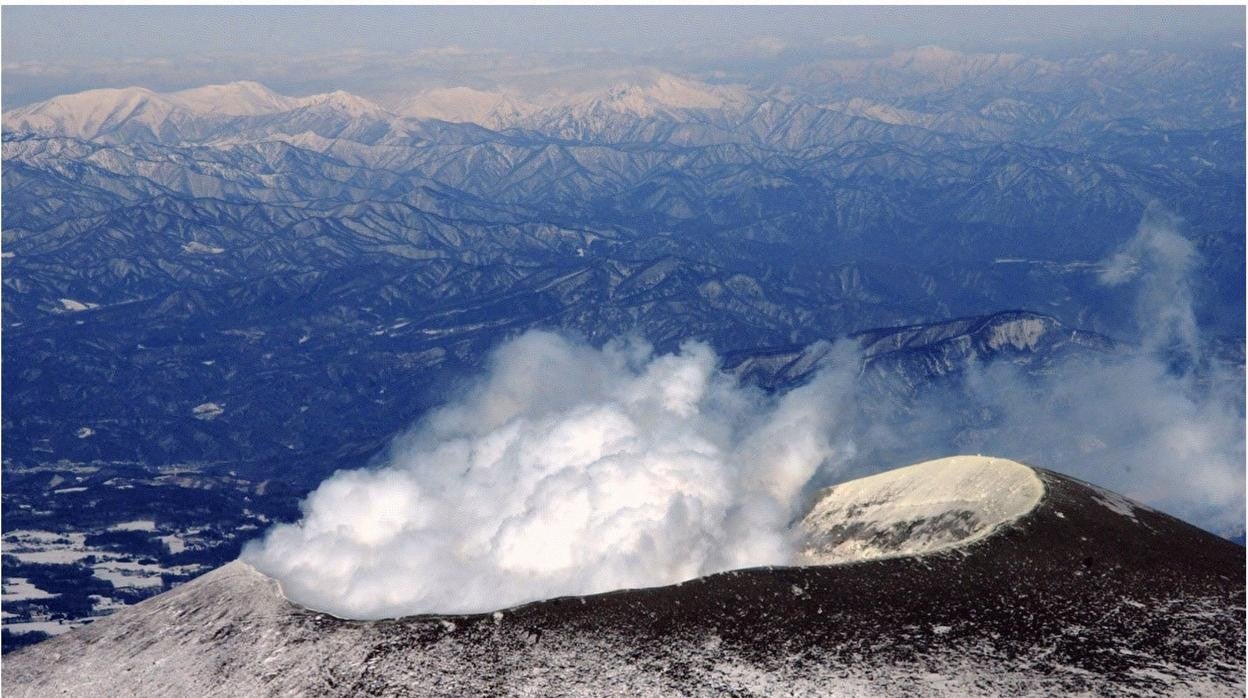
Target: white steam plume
{"x":1161,"y":422}
{"x":566,"y":470}
{"x":1162,"y":261}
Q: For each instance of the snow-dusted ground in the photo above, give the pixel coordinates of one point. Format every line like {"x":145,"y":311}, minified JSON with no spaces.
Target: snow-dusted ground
{"x":919,"y":509}
{"x":232,"y":633}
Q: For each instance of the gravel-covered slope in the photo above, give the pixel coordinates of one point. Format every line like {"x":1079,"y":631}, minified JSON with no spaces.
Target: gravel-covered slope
{"x":1085,"y":592}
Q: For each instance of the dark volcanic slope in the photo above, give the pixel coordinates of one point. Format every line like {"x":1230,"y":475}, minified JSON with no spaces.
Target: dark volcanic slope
{"x":1087,"y":592}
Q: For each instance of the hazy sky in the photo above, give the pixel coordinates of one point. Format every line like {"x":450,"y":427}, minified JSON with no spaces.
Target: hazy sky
{"x":49,"y":50}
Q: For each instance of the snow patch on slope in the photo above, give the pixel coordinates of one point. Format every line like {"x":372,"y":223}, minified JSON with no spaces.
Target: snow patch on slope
{"x":69,"y":305}
{"x":1117,"y":503}
{"x":195,"y":247}
{"x":207,"y":411}
{"x":919,"y":509}
{"x":1021,"y":333}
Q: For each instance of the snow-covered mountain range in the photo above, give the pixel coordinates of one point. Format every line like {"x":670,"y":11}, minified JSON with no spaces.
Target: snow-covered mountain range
{"x":977,"y":96}
{"x":206,"y":113}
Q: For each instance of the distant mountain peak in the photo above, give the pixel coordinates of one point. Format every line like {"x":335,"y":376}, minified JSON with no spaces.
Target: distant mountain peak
{"x":87,"y":114}
{"x":239,"y":98}
{"x":462,"y":104}
{"x":344,"y":102}
{"x":665,"y":92}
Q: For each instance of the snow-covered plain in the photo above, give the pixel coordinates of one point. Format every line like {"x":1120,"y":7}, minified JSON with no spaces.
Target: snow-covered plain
{"x":123,"y":573}
{"x":21,"y":589}
{"x":137,"y":525}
